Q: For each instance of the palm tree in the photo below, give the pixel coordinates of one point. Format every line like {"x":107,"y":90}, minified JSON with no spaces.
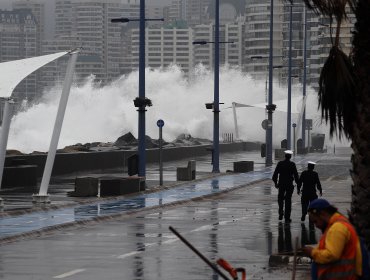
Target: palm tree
{"x":344,"y":98}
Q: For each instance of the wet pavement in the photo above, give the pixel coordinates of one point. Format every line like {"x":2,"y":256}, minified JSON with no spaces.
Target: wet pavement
{"x":19,"y":224}
{"x":232,"y":216}
{"x":60,"y":185}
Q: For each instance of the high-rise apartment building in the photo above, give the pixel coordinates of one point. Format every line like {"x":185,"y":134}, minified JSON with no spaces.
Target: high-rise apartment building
{"x":54,"y":72}
{"x":18,"y":40}
{"x":234,"y":37}
{"x":89,"y":21}
{"x":104,"y":43}
{"x":92,"y":25}
{"x":164,"y":46}
{"x":322,"y":39}
{"x":111,"y":49}
{"x":257,"y":36}
{"x":203,"y":54}
{"x":194,"y":12}
{"x":231,"y":50}
{"x":131,"y":9}
{"x":167,"y":46}
{"x":153,"y":12}
{"x":314,"y":46}
{"x":38,"y":10}
{"x":197,"y":12}
{"x":297,"y":42}
{"x":37,"y":7}
{"x":176,"y":11}
{"x":63,"y":18}
{"x":229,"y":10}
{"x":318,"y":40}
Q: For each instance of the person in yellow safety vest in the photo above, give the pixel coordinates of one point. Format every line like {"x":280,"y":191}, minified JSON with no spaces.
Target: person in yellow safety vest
{"x":338,"y":255}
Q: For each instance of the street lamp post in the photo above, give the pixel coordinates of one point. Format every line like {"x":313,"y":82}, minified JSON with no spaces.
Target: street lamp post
{"x":294,"y":139}
{"x":141,"y":108}
{"x":304,"y":75}
{"x":289,"y":110}
{"x":216,"y":99}
{"x":141,"y":102}
{"x":270,"y":107}
{"x":216,"y":107}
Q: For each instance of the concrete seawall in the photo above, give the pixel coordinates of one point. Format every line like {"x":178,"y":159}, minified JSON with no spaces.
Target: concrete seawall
{"x":66,"y":163}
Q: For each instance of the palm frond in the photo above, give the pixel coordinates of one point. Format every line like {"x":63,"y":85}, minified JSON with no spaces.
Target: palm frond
{"x":338,"y":92}
{"x":331,"y":8}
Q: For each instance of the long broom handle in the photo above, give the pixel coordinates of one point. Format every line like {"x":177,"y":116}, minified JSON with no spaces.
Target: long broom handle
{"x":211,"y":265}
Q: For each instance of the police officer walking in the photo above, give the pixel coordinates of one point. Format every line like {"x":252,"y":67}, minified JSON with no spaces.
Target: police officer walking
{"x":310,"y":181}
{"x":284,"y":175}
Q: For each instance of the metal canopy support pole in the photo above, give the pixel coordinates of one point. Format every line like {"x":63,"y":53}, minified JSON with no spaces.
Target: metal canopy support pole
{"x":304,"y":75}
{"x":235,"y":121}
{"x":289,"y":111}
{"x":216,"y":101}
{"x":270,"y":107}
{"x":141,"y":108}
{"x":7,"y":116}
{"x":42,"y":196}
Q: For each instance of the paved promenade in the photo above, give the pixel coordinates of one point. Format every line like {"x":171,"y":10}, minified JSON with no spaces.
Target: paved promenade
{"x":233,"y":216}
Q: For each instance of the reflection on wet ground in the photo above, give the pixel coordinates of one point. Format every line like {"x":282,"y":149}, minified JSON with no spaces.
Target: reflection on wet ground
{"x":38,"y":220}
{"x":284,"y":238}
{"x":308,"y":237}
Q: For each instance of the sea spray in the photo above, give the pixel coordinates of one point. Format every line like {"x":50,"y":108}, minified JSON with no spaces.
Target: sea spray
{"x":103,"y":113}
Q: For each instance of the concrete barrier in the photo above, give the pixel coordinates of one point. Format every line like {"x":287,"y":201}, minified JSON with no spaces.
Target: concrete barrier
{"x":20,"y":176}
{"x":243,"y":166}
{"x":141,"y":181}
{"x":187,"y":173}
{"x":85,"y":186}
{"x":112,"y":186}
{"x":108,"y":186}
{"x":69,"y":163}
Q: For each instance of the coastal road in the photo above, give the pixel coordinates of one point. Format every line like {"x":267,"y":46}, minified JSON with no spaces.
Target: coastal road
{"x":240,"y":226}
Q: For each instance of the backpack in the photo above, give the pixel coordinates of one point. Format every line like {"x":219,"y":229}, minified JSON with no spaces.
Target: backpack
{"x":365,"y":260}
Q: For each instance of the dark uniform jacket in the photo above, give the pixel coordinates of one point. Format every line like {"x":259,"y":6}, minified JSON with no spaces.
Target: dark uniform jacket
{"x":284,"y":174}
{"x":310,"y":181}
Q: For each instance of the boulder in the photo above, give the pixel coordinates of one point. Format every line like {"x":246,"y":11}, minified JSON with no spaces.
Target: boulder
{"x":126,"y":140}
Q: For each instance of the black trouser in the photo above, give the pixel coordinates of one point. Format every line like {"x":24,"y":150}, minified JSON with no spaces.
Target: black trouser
{"x":305,"y":201}
{"x":285,"y":195}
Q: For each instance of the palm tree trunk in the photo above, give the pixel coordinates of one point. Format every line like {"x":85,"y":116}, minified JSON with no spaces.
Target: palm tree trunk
{"x":360,"y":206}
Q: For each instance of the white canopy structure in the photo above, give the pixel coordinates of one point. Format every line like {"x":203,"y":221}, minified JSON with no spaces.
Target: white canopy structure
{"x":11,"y":74}
{"x":281,"y":105}
{"x":297,"y":107}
